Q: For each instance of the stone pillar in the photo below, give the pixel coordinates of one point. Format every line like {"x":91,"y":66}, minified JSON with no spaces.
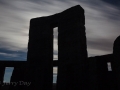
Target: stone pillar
{"x":72,"y":50}
{"x":40,"y":54}
{"x":116,"y":61}
{"x":93,"y":80}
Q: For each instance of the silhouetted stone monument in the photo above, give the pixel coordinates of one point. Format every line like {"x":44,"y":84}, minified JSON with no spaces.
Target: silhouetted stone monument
{"x":116,"y":61}
{"x":72,"y":50}
{"x":72,"y":53}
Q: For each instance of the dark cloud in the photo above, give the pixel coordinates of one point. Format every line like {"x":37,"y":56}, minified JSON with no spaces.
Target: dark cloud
{"x":6,"y":54}
{"x":116,"y":3}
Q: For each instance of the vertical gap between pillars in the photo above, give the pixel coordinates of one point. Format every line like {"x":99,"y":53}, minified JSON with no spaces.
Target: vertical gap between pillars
{"x":55,"y":43}
{"x":55,"y":55}
{"x":55,"y":69}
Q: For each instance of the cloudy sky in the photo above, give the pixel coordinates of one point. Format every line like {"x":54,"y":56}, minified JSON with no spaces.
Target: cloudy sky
{"x":101,"y":17}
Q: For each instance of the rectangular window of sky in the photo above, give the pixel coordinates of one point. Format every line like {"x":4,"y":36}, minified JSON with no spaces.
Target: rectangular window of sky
{"x":8,"y":73}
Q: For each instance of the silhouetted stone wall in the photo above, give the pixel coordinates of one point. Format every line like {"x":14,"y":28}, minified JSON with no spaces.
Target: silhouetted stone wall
{"x":99,"y":76}
{"x":105,"y":78}
{"x":116,"y":61}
